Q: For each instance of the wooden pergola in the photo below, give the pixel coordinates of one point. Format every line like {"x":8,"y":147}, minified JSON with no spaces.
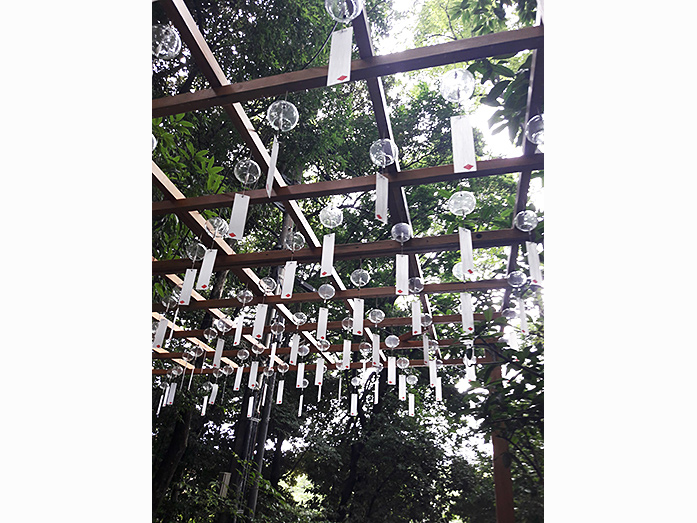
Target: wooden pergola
{"x":369,"y":68}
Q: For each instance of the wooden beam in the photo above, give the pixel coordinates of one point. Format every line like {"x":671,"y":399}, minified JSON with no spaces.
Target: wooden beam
{"x":349,"y":251}
{"x":336,"y":325}
{"x":302,"y":191}
{"x":485,"y":360}
{"x":370,"y":67}
{"x":372,"y":292}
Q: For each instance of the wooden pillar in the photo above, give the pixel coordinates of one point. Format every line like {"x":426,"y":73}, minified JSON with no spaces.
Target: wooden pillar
{"x":503,"y":485}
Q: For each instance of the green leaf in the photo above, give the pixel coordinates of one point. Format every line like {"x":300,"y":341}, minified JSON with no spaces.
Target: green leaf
{"x":498,"y":89}
{"x":488,"y":314}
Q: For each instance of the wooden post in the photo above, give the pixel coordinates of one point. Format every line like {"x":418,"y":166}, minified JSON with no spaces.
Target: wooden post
{"x":503,"y":485}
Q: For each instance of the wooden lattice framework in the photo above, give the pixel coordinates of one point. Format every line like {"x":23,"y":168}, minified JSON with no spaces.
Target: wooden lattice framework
{"x":368,"y":68}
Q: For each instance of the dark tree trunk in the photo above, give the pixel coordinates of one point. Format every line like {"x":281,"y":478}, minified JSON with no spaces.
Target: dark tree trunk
{"x":277,"y":463}
{"x":261,"y":444}
{"x":350,"y":483}
{"x":175,"y":451}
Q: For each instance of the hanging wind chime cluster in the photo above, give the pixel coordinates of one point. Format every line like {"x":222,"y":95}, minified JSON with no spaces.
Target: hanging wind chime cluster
{"x":456,"y":86}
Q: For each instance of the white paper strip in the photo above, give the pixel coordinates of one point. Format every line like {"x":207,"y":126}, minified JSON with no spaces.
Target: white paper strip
{"x":238,"y":377}
{"x":160,"y":333}
{"x":439,"y":389}
{"x":164,"y":398}
{"x":376,"y":393}
{"x":381,"y":190}
{"x":218,"y":352}
{"x":239,"y":322}
{"x":319,"y":371}
{"x":319,"y":392}
{"x":402,"y":387}
{"x":288,"y":279}
{"x":272,"y":356}
{"x":416,"y":317}
{"x":327,"y":265}
{"x":300,"y":405}
{"x":376,"y":348}
{"x":391,"y":370}
{"x":299,"y":375}
{"x":339,"y":69}
{"x":534,"y":261}
{"x":346,"y":361}
{"x":172,"y":392}
{"x":272,"y":167}
{"x":250,"y":407}
{"x":187,"y":287}
{"x":401,"y":274}
{"x":411,"y":404}
{"x":354,"y":404}
{"x":203,"y":407}
{"x":471,"y":374}
{"x":523,"y":316}
{"x":279,"y":392}
{"x":204,"y":275}
{"x":426,"y":347}
{"x":263,"y":394}
{"x":294,"y":344}
{"x":238,"y":217}
{"x":432,"y":373}
{"x":358,"y":305}
{"x":214,"y":394}
{"x":466,"y":250}
{"x":322,"y":323}
{"x":253,"y":375}
{"x":260,"y":320}
{"x":466,"y":312}
{"x":464,"y":159}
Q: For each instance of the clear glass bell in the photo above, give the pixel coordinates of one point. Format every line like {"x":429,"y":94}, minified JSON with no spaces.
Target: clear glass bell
{"x":166,"y":42}
{"x":356,"y":381}
{"x":509,"y":313}
{"x":535,"y":130}
{"x":401,"y":232}
{"x":517,"y":279}
{"x":217,"y":373}
{"x":299,"y":318}
{"x":303,"y":350}
{"x":392,"y":341}
{"x":223,"y":325}
{"x":461,"y":203}
{"x":227,"y":370}
{"x":277,"y":327}
{"x":247,"y":171}
{"x":457,"y":85}
{"x":383,"y":152}
{"x":416,"y":285}
{"x":458,"y":271}
{"x":243,"y":354}
{"x":210,"y":334}
{"x":324,"y":344}
{"x":426,"y":320}
{"x":343,"y":11}
{"x":295,"y":242}
{"x":188,"y":356}
{"x":526,"y":221}
{"x":267,"y":284}
{"x":375,"y":316}
{"x":283,"y":367}
{"x":360,"y":277}
{"x":305,"y":383}
{"x":347,"y":323}
{"x":244,"y":296}
{"x":412,"y":379}
{"x":331,"y":216}
{"x":154,"y":143}
{"x":365,"y":348}
{"x":198,"y":351}
{"x":216,"y":227}
{"x":268,"y":371}
{"x":258,"y":349}
{"x":282,"y":116}
{"x":177,"y":371}
{"x":326,"y":291}
{"x":194,"y":249}
{"x":206,"y":388}
{"x":402,"y":362}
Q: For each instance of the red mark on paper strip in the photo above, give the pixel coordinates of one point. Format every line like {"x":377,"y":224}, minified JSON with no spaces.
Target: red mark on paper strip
{"x":470,"y":328}
{"x":342,"y":77}
{"x":359,"y":332}
{"x":204,"y":286}
{"x":470,"y":271}
{"x":182,"y":301}
{"x":399,"y":291}
{"x":469,"y":166}
{"x":287,"y":295}
{"x":232,"y":234}
{"x":379,"y":217}
{"x":324,"y":273}
{"x":158,"y":346}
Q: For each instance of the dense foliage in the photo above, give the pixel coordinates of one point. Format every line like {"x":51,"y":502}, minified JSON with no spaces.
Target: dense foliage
{"x":325,"y":465}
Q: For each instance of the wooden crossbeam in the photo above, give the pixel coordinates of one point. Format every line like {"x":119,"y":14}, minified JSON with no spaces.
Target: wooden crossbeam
{"x":370,"y":67}
{"x":350,"y":251}
{"x":372,"y":292}
{"x":302,"y":191}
